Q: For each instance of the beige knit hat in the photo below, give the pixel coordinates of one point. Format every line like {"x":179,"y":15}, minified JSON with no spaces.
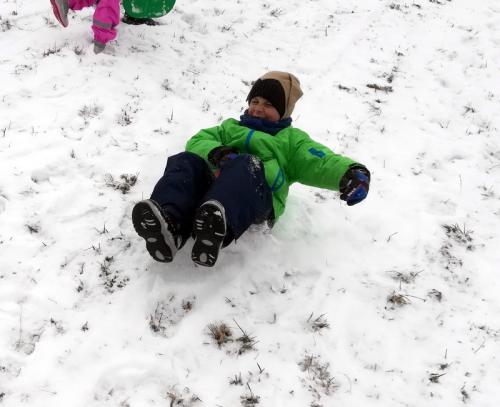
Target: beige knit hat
{"x":282,"y":89}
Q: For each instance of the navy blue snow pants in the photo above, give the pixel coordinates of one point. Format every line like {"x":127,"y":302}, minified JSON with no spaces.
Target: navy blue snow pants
{"x":241,"y":188}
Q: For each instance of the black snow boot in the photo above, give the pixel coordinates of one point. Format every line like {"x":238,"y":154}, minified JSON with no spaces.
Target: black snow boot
{"x":209,"y":229}
{"x":159,"y":231}
{"x":138,"y":21}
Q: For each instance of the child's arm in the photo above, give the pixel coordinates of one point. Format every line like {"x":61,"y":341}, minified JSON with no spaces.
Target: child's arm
{"x":205,"y":141}
{"x":312,"y":163}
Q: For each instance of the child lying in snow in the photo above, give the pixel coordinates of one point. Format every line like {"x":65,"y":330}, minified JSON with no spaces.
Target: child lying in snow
{"x":238,"y":173}
{"x":106,"y":18}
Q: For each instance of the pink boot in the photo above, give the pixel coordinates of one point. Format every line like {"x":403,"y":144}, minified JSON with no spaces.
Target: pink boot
{"x":60,"y":8}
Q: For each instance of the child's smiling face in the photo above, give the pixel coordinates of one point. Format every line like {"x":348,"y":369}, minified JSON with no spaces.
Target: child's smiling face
{"x":262,"y":108}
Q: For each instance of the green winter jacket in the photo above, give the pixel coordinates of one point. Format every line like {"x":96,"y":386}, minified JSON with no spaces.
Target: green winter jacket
{"x":289,"y":156}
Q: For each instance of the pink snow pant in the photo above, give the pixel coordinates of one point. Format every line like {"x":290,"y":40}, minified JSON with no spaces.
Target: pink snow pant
{"x":106,"y":17}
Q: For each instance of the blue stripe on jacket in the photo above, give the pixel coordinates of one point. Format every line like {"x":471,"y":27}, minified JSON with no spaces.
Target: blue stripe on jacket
{"x":247,"y":141}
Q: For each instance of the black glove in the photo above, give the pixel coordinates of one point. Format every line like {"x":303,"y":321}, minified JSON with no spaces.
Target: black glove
{"x":220,"y":155}
{"x":354,"y":185}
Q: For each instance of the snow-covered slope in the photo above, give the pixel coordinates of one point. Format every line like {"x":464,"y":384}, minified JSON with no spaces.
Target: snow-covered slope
{"x":394,"y":302}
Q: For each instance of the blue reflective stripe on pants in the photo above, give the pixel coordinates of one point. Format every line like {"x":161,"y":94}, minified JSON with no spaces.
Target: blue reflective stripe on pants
{"x":102,"y":24}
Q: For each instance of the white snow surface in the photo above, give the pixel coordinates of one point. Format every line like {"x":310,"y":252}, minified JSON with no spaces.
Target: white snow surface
{"x":392,"y":302}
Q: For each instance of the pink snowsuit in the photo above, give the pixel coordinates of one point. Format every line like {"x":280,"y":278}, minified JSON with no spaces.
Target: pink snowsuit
{"x":106,"y":17}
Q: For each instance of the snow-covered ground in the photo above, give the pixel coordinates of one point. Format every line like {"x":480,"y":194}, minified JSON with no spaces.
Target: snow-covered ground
{"x":393,"y":302}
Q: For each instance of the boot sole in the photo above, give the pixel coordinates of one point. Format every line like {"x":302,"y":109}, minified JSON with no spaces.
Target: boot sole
{"x":139,"y":21}
{"x":150,"y":225}
{"x":209,"y":228}
{"x":58,"y":14}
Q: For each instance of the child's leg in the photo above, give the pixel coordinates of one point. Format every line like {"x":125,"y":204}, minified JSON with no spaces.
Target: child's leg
{"x":79,"y":4}
{"x":238,"y":197}
{"x":182,"y":187}
{"x":106,"y":18}
{"x":242,"y":190}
